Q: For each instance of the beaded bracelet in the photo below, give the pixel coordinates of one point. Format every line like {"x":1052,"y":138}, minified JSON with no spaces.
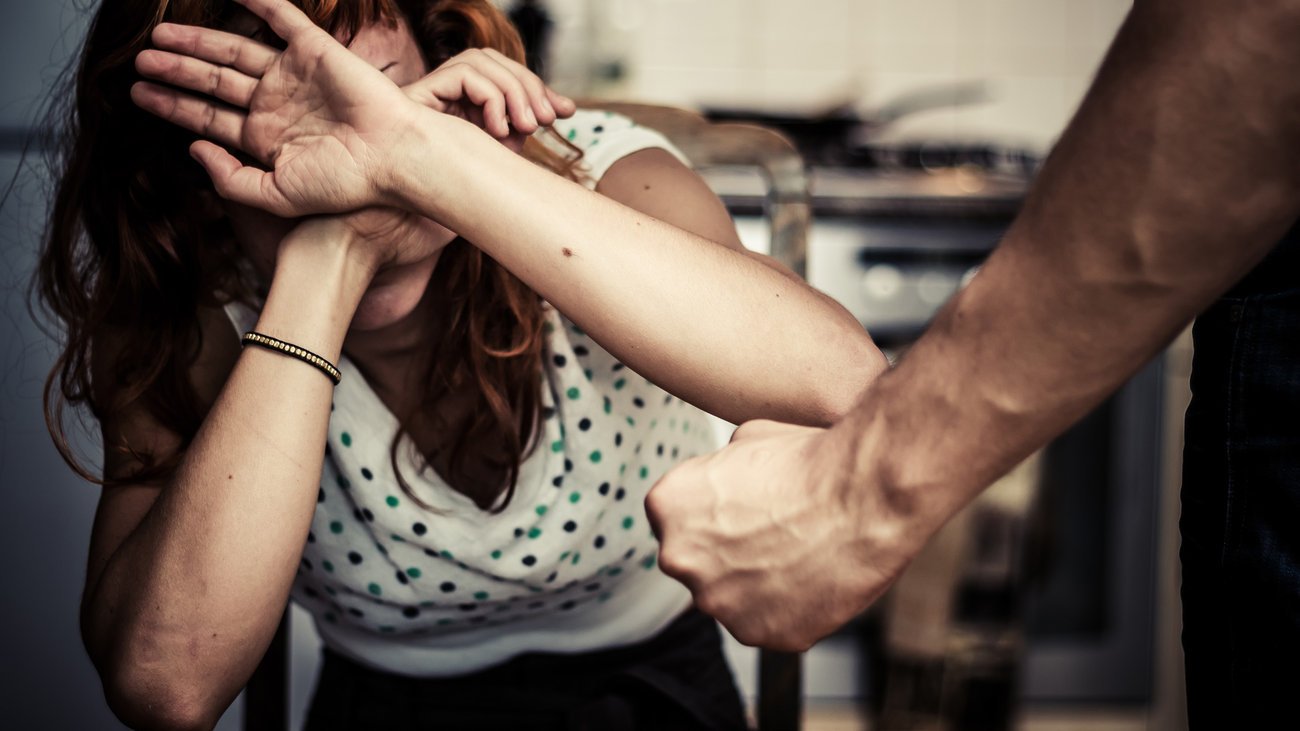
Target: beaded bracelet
{"x":293,"y":351}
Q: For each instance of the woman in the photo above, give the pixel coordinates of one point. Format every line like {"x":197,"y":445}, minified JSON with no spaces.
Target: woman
{"x":462,"y":514}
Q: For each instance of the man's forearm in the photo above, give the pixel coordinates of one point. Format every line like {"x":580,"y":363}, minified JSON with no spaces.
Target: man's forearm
{"x":1179,"y":172}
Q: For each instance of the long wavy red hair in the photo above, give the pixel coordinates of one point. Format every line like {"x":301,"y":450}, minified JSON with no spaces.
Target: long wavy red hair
{"x":134,"y":247}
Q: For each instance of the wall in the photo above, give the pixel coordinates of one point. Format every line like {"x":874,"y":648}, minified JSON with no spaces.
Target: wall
{"x":1034,"y":57}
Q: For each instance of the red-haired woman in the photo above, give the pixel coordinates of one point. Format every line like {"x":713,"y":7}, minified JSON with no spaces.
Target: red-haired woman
{"x":431,"y":441}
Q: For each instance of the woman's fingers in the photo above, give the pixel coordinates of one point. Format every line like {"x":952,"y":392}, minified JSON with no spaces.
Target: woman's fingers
{"x":219,"y":47}
{"x":206,"y":118}
{"x":222,"y":82}
{"x":285,"y":20}
{"x":240,"y":183}
{"x":531,"y":83}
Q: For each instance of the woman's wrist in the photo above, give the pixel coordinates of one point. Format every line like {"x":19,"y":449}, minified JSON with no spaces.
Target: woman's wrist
{"x":320,"y":277}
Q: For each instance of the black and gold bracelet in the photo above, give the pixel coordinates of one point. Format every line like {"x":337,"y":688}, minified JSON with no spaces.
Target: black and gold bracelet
{"x":293,"y":351}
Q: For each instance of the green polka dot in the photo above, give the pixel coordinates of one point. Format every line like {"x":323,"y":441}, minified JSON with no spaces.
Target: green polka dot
{"x":573,"y":393}
{"x":631,"y":421}
{"x":387,"y":630}
{"x":413,"y":572}
{"x":628,"y":522}
{"x":615,"y":571}
{"x":557,"y":446}
{"x":375,"y":589}
{"x":329,"y":617}
{"x":565,"y":555}
{"x":619,"y":384}
{"x":578,"y":331}
{"x":609,"y":405}
{"x":595,"y":457}
{"x":575,"y":497}
{"x":392,"y":501}
{"x":645,"y":472}
{"x":398,"y":538}
{"x":346,"y":439}
{"x":496,"y":554}
{"x":573,"y":135}
{"x":686,"y":426}
{"x":331,"y":591}
{"x":445,"y":554}
{"x":548,"y":328}
{"x":649,"y":562}
{"x":604,"y":597}
{"x":589,"y":374}
{"x":444,"y":622}
{"x":327,"y":566}
{"x":622,"y":469}
{"x":576,"y":558}
{"x":481,"y":596}
{"x":654,"y":423}
{"x":672,"y":423}
{"x":534,"y":532}
{"x":336,"y":527}
{"x":541,"y":510}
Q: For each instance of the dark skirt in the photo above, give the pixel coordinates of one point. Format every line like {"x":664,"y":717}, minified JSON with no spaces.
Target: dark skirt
{"x":675,"y":681}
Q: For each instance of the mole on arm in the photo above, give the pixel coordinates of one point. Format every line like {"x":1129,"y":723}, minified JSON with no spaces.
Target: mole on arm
{"x":567,"y":251}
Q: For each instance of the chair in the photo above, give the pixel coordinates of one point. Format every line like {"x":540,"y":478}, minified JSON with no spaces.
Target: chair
{"x":788,"y":211}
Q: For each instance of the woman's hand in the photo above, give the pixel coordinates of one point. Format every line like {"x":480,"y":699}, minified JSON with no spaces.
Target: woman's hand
{"x":327,"y":123}
{"x":497,"y":94}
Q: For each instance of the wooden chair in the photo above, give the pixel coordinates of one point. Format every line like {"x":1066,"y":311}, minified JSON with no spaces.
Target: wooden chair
{"x":788,"y":211}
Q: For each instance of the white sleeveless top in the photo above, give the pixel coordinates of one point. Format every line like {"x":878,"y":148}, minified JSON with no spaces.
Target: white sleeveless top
{"x":568,"y":566}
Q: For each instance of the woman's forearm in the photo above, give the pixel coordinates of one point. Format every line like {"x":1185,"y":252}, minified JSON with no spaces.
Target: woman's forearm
{"x":186,"y":606}
{"x":706,"y":322}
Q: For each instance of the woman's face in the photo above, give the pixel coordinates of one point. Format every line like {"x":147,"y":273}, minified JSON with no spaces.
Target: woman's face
{"x":397,"y":289}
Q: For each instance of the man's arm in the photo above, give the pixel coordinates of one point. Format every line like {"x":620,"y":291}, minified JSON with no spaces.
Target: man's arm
{"x":1179,"y":172}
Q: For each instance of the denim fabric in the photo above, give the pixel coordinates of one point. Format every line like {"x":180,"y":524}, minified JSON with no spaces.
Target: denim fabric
{"x":1241,"y":504}
{"x":675,"y":681}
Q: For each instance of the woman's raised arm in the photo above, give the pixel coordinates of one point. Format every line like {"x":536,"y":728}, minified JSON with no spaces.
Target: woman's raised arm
{"x":655,"y":286}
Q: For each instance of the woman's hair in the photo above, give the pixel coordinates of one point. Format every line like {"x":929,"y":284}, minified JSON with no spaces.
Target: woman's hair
{"x":136,"y":244}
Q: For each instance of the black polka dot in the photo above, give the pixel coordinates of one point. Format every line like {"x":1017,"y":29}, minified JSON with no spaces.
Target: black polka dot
{"x":430,"y":553}
{"x":320,"y":496}
{"x":310,"y":592}
{"x":560,"y":361}
{"x":358,"y":515}
{"x":529,"y":560}
{"x":536,"y":605}
{"x":620,"y":493}
{"x":598,"y":129}
{"x":411,"y":612}
{"x":581,"y":351}
{"x":630,"y":553}
{"x":637,"y":450}
{"x":599,"y":542}
{"x":519,"y":532}
{"x":568,"y":605}
{"x":381,"y":548}
{"x":668,"y":399}
{"x":558,"y":481}
{"x":467,"y":607}
{"x":570,"y":527}
{"x":401,"y":578}
{"x":552,"y":577}
{"x":659,"y":450}
{"x":356,"y":612}
{"x":548,"y":412}
{"x":675,"y":452}
{"x":592,"y":587}
{"x":637,"y":402}
{"x":604,"y":488}
{"x":568,"y":465}
{"x":354,"y":557}
{"x":370,"y":517}
{"x":419,"y":529}
{"x":366,"y":473}
{"x":585,"y":424}
{"x":618,"y":439}
{"x":617,"y":367}
{"x":311,"y":537}
{"x":447,"y":587}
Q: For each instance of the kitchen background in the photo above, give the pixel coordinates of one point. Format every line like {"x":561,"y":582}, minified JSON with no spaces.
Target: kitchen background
{"x":963,"y":75}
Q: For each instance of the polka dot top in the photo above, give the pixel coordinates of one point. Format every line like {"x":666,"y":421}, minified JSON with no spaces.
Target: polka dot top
{"x":568,"y":566}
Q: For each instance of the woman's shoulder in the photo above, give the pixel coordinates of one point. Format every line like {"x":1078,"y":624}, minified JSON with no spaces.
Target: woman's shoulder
{"x":605,"y":137}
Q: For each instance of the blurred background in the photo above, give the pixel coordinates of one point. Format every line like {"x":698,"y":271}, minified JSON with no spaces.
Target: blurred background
{"x":922,"y":123}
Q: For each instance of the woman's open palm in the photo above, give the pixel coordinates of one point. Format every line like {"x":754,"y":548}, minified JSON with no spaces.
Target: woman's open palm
{"x":317,"y":115}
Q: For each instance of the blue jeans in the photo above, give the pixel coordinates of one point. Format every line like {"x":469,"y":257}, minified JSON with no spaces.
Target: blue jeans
{"x":1241,"y":504}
